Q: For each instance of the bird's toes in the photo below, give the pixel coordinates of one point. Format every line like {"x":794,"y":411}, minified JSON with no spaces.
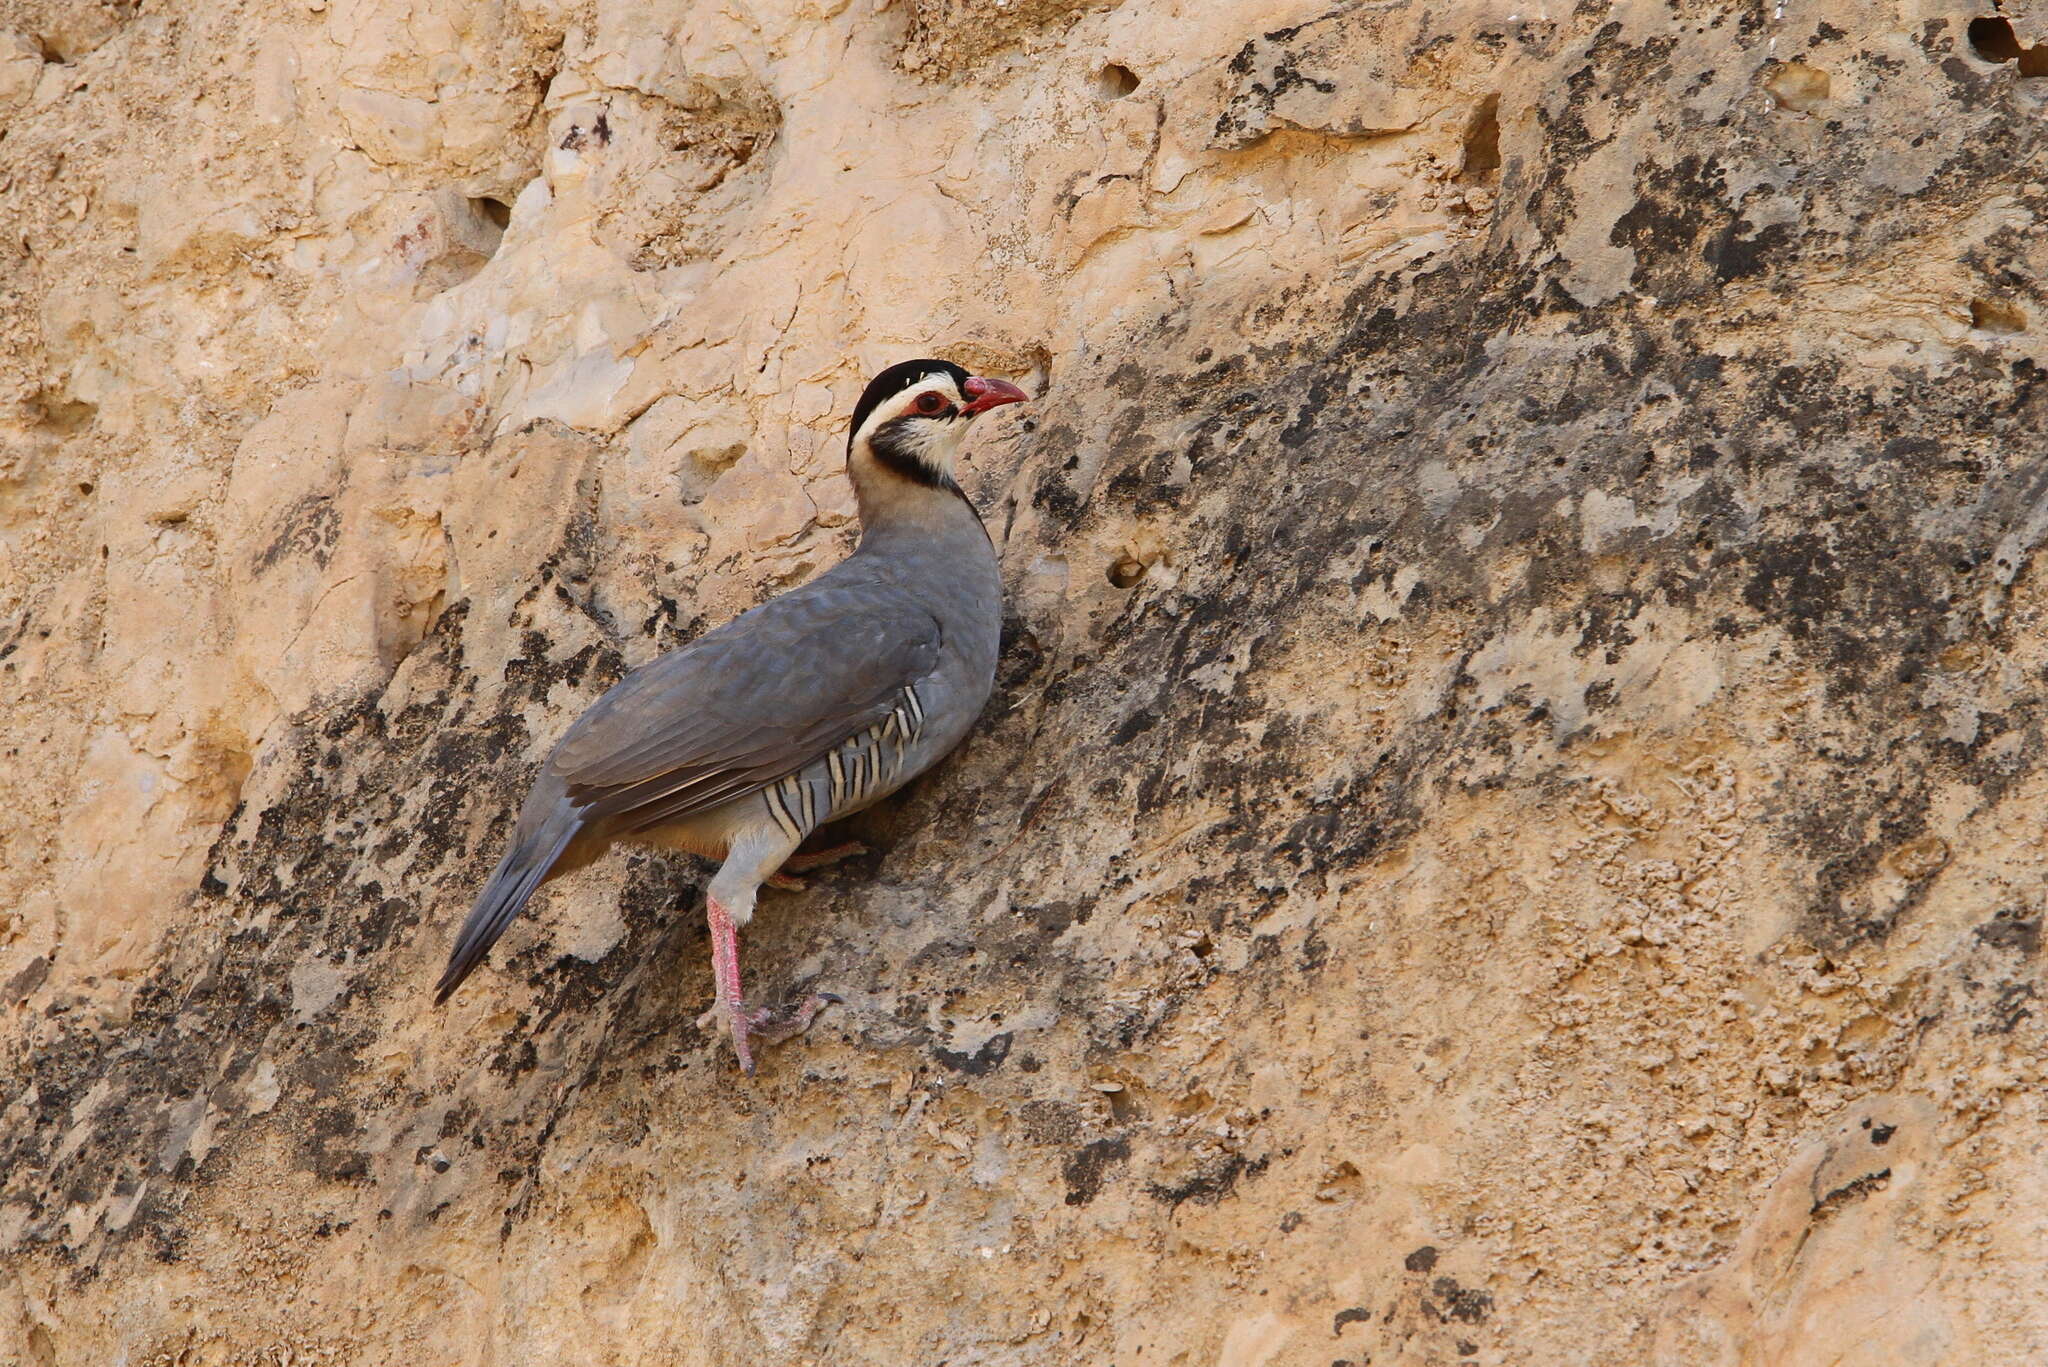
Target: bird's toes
{"x":824,"y":859}
{"x":774,"y":1024}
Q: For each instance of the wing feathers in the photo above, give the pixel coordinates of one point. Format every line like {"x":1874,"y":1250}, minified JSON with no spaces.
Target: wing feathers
{"x":747,"y":704}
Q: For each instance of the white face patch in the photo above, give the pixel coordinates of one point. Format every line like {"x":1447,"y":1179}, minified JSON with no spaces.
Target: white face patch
{"x":932,"y":441}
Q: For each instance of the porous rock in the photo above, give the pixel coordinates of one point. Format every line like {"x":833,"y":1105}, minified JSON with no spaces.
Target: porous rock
{"x":1509,"y":830}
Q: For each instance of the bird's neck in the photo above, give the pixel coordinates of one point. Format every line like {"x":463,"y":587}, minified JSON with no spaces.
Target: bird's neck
{"x":932,"y":545}
{"x":899,"y":499}
{"x":901,"y":512}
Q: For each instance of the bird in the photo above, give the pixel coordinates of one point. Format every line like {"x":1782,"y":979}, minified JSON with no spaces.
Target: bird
{"x":806,"y":708}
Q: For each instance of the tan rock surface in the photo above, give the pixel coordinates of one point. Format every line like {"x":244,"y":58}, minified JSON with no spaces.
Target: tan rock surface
{"x":1509,"y":831}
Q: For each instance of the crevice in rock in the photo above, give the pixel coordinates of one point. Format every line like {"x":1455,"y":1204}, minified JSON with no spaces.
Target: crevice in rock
{"x":1482,"y":142}
{"x":80,"y":30}
{"x":64,"y":415}
{"x":1799,"y":87}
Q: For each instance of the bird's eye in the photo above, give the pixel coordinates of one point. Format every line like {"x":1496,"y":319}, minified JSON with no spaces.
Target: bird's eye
{"x":931,"y":402}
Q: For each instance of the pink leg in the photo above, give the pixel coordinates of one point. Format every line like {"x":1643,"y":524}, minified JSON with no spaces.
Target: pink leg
{"x":725,"y":973}
{"x":773,"y":1025}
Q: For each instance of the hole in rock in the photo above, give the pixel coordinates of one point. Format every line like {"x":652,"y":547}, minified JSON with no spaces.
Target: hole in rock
{"x":1126,"y":571}
{"x":1482,"y":141}
{"x":496,"y":210}
{"x":1339,"y":1182}
{"x":1115,"y":81}
{"x":1798,"y":87}
{"x":65,"y":416}
{"x":1994,"y":40}
{"x":1997,"y":315}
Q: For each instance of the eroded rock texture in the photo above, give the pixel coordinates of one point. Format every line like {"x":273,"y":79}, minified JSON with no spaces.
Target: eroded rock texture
{"x":1509,"y":828}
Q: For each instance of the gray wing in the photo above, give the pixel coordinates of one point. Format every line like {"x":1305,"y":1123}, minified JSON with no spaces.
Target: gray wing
{"x":744,"y":705}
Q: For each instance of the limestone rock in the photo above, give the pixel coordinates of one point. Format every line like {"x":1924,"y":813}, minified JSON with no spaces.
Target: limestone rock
{"x":1510,"y":826}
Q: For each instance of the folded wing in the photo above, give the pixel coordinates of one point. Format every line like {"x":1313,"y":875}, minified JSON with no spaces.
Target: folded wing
{"x":746,"y":704}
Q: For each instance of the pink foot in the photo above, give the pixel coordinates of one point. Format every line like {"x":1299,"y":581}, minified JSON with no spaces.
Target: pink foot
{"x":786,"y":881}
{"x":769,"y":1024}
{"x":804,"y":863}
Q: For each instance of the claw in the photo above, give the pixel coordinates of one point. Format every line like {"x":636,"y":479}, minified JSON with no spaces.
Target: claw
{"x":775,"y":1024}
{"x":787,"y":881}
{"x":767,"y":1025}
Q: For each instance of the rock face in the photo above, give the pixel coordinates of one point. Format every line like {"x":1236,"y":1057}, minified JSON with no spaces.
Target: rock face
{"x":1510,"y":827}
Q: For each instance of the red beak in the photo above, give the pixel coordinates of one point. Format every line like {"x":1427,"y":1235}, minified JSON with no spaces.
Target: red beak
{"x":983,"y":394}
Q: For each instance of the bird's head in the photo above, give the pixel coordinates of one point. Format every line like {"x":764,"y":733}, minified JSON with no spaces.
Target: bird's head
{"x":910,"y":421}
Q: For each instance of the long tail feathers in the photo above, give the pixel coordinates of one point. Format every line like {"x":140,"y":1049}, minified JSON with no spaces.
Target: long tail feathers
{"x":525,"y":864}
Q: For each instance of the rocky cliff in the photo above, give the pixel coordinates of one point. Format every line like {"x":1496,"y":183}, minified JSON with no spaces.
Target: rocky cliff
{"x":1509,"y":831}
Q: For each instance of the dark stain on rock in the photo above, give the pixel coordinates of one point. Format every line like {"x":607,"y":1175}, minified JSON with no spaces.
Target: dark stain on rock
{"x":328,"y":1149}
{"x":2013,"y":931}
{"x":1087,"y":1168}
{"x":27,"y":980}
{"x":309,"y":527}
{"x":1686,"y":237}
{"x":1133,"y":726}
{"x":1209,"y":1185}
{"x":2007,"y":1009}
{"x":982,"y":1061}
{"x":1449,"y":1302}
